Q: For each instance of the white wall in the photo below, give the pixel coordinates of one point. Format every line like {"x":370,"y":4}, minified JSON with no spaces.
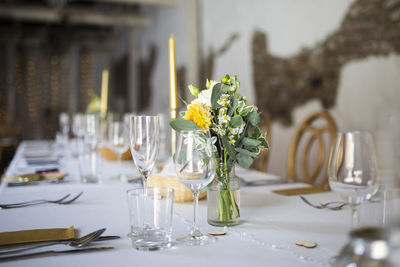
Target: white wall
{"x":366,"y":89}
{"x":165,"y":21}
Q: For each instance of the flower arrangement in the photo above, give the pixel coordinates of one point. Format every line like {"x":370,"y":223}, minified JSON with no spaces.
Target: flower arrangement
{"x":233,"y":123}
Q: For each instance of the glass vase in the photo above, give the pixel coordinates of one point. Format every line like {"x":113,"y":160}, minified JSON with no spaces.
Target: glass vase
{"x":223,"y":198}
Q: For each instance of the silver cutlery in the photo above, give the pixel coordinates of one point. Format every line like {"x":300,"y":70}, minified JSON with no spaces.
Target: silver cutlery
{"x":53,"y":253}
{"x":23,"y":245}
{"x":61,"y":201}
{"x":41,"y":182}
{"x":76,"y":242}
{"x":332,"y":205}
{"x":262,"y":182}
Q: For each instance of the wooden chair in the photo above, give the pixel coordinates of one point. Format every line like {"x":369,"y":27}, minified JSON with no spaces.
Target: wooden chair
{"x":310,"y":124}
{"x":260,"y":163}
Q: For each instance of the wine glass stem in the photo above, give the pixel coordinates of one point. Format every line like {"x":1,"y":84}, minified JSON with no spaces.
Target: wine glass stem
{"x":354,"y":215}
{"x":119,"y":164}
{"x":195,"y":228}
{"x":144,"y":181}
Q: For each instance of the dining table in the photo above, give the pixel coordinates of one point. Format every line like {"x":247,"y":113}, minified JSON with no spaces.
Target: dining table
{"x":270,"y":224}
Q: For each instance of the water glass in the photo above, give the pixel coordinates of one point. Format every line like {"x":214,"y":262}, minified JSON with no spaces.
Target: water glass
{"x":93,"y":130}
{"x":150,"y":214}
{"x":78,"y":130}
{"x":88,"y":165}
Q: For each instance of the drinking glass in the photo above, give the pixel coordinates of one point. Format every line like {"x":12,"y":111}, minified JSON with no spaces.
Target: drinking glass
{"x":150,"y":214}
{"x":93,"y":130}
{"x":195,"y":166}
{"x":78,"y":129}
{"x":144,"y":140}
{"x":88,"y":159}
{"x":78,"y":125}
{"x":117,"y":140}
{"x":352,"y":169}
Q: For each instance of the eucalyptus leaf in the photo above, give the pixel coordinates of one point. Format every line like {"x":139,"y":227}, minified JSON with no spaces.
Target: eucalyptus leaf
{"x":244,"y":160}
{"x":250,"y":142}
{"x":236,"y":121}
{"x":229,"y":147}
{"x":256,"y":132}
{"x":264,"y":142}
{"x":254,"y":118}
{"x":246,"y":110}
{"x":234,"y":106}
{"x":245,"y":152}
{"x":180,"y":157}
{"x":218,"y":90}
{"x":183,"y":125}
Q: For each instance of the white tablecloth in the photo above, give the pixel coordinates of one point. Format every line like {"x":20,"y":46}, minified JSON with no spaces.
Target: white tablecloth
{"x":270,"y":226}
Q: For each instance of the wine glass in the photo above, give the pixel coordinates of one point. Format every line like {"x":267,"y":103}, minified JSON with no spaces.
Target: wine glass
{"x":352,"y":169}
{"x":144,"y":140}
{"x":117,"y":140}
{"x":64,"y":123}
{"x":195,"y":166}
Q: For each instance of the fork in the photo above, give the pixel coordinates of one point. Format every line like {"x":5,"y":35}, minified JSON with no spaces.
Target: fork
{"x":61,"y":201}
{"x":327,"y":205}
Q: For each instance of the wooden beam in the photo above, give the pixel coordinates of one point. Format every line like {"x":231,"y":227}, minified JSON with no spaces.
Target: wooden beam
{"x":85,"y":16}
{"x":32,"y":13}
{"x":72,"y":16}
{"x":142,"y":2}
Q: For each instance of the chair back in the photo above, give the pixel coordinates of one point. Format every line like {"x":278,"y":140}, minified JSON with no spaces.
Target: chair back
{"x":315,"y":126}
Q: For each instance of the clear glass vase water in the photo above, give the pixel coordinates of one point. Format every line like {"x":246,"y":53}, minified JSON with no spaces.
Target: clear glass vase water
{"x":223,"y":199}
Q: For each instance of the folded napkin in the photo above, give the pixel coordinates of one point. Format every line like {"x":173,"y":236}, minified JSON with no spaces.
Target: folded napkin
{"x":33,"y":177}
{"x":37,"y":154}
{"x":42,"y":161}
{"x":253,"y":177}
{"x":36,"y":235}
{"x":302,"y":190}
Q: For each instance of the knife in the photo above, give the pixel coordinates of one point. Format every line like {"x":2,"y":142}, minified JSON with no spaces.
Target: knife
{"x":53,"y":253}
{"x":24,"y":245}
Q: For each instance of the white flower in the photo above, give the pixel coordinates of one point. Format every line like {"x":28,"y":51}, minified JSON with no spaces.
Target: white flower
{"x":204,"y":98}
{"x":225,"y":96}
{"x":210,"y":84}
{"x":223,"y":110}
{"x":224,"y":100}
{"x":234,"y":131}
{"x":225,"y":118}
{"x":232,"y":142}
{"x":241,"y":129}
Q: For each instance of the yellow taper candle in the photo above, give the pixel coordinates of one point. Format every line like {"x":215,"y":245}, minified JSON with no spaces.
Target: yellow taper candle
{"x":104,"y":94}
{"x":173,"y":89}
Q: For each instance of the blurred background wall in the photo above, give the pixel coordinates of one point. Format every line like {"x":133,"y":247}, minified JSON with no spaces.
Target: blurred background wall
{"x":277,"y":48}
